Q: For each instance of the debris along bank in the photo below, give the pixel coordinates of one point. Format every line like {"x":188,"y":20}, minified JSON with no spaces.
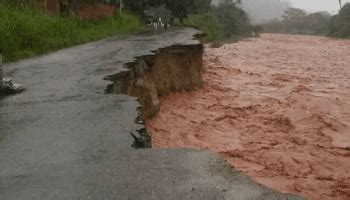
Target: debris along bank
{"x":64,"y":138}
{"x":7,"y":87}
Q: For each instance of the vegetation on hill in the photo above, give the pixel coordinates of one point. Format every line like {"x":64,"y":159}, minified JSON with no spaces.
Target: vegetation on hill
{"x":222,"y":22}
{"x":340,"y":24}
{"x":27,"y":31}
{"x":297,"y":21}
{"x":262,"y":11}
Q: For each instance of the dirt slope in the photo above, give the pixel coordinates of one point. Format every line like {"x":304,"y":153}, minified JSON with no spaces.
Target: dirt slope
{"x":276,"y":107}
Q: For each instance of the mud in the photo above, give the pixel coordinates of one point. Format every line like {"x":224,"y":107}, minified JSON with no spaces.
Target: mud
{"x":277,"y":108}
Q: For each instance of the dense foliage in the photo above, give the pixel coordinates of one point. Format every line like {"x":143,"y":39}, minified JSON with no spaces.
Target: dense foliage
{"x":209,"y":24}
{"x":224,"y":21}
{"x":233,"y":19}
{"x":340,"y":24}
{"x":27,"y":31}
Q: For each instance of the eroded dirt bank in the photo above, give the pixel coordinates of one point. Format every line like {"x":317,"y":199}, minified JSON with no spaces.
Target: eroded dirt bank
{"x":277,"y":108}
{"x":177,"y":67}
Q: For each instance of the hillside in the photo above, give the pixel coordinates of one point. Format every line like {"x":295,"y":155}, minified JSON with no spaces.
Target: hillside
{"x":262,"y":11}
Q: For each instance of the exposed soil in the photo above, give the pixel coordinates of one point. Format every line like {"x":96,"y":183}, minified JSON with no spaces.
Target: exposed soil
{"x":276,"y":107}
{"x":173,"y":68}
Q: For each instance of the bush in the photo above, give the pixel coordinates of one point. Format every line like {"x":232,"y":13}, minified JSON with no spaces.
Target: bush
{"x":26,"y":32}
{"x":208,"y":23}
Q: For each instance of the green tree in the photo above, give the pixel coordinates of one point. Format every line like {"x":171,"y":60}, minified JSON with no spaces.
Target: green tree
{"x":233,"y":19}
{"x":136,"y":6}
{"x":340,"y":24}
{"x":294,"y":14}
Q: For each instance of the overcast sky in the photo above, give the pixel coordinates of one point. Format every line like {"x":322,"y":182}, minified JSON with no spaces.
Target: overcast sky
{"x":331,"y":6}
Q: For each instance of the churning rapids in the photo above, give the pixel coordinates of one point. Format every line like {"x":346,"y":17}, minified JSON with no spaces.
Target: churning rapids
{"x":276,"y":107}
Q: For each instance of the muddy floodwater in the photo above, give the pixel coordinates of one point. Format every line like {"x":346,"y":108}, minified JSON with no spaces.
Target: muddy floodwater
{"x":276,"y":107}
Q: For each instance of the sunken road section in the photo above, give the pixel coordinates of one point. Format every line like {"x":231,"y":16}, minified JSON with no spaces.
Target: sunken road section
{"x":65,"y":138}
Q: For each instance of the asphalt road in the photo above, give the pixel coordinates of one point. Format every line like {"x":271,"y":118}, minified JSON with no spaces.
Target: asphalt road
{"x":64,"y":138}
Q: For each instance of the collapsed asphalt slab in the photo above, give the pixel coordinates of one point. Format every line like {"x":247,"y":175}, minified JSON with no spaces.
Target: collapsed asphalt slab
{"x":64,"y":138}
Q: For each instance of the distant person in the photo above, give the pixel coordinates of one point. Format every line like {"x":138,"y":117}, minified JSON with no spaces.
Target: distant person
{"x":160,"y":23}
{"x":155,"y":26}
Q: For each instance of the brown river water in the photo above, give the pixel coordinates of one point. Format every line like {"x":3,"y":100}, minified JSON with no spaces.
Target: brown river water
{"x":276,"y":107}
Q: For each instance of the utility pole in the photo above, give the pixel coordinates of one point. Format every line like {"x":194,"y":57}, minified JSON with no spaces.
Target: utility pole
{"x":120,"y":6}
{"x":340,"y":4}
{"x":1,"y":73}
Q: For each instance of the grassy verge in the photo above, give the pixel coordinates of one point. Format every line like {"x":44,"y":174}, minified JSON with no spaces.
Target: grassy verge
{"x":26,"y":32}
